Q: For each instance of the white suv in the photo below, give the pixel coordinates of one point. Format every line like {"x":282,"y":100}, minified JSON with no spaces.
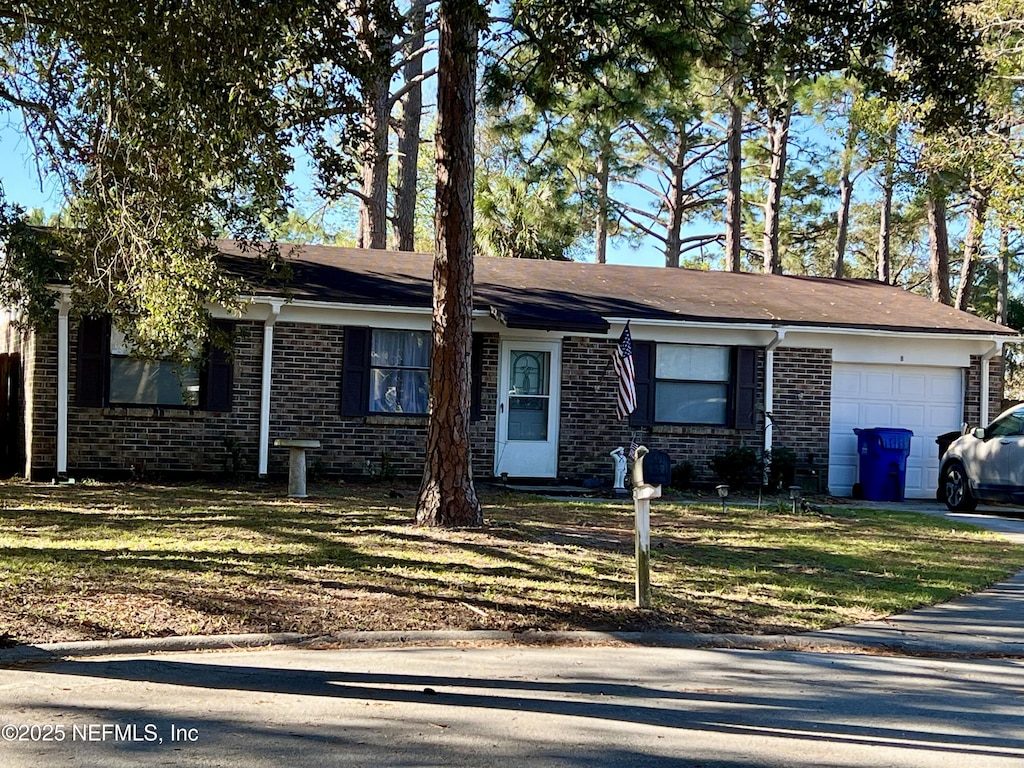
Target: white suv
{"x":985,"y":464}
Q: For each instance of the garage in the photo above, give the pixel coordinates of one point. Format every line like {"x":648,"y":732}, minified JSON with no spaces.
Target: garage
{"x":926,"y":400}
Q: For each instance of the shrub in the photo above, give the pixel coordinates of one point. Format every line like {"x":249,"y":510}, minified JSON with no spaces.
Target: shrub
{"x":736,"y":466}
{"x":683,"y":475}
{"x":780,"y":468}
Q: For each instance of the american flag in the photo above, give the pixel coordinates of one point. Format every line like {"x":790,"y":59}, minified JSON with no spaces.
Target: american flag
{"x":622,"y":359}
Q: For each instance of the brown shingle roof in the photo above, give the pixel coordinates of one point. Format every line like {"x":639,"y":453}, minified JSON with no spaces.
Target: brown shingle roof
{"x":576,"y":296}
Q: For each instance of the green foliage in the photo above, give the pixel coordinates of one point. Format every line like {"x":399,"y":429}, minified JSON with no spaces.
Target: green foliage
{"x":29,"y":266}
{"x":683,"y":475}
{"x":384,"y":471}
{"x":939,"y":69}
{"x":233,"y":462}
{"x":170,"y":126}
{"x":780,"y":466}
{"x":737,"y":466}
{"x":525,"y":219}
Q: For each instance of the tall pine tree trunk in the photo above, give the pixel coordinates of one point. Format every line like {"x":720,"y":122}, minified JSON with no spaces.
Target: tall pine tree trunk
{"x":447,"y":496}
{"x":845,"y":196}
{"x":601,"y":181}
{"x":778,"y":142}
{"x":976,"y":213}
{"x":409,"y":135}
{"x":373,"y":188}
{"x":885,"y":224}
{"x":938,"y":241}
{"x":676,"y":193}
{"x":734,"y":173}
{"x":1002,"y":291}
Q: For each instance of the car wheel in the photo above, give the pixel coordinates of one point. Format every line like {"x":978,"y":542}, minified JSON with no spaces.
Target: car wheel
{"x":957,"y":490}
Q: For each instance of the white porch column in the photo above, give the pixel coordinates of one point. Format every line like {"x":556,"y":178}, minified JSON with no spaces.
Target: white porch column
{"x":769,"y":385}
{"x":268,"y":360}
{"x":63,"y":343}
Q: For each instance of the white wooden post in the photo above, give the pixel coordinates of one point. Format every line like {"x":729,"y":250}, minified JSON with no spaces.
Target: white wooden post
{"x":642,"y":495}
{"x":642,"y":503}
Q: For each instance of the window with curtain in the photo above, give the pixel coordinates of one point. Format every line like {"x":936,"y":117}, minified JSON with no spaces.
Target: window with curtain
{"x":149,"y":382}
{"x":691,"y":384}
{"x":399,"y":371}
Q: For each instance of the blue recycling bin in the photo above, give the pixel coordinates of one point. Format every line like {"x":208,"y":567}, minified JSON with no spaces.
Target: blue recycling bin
{"x":883,"y":456}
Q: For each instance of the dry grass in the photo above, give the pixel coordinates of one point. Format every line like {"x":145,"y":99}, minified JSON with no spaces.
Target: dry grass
{"x":103,"y":561}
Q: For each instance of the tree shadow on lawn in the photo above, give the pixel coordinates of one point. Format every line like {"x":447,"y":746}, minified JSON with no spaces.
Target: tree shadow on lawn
{"x":538,"y":566}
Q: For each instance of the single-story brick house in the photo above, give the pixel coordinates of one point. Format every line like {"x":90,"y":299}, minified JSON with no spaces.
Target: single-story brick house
{"x":341,"y":355}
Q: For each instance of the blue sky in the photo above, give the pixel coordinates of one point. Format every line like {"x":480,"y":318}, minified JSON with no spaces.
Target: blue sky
{"x":22,"y":185}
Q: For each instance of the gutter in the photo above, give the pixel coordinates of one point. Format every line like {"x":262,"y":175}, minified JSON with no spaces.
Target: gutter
{"x":63,"y":355}
{"x":769,"y":385}
{"x":265,"y":382}
{"x":1009,"y":337}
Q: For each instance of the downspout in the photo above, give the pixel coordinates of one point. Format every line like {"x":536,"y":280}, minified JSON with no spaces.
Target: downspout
{"x":268,"y":359}
{"x":63,"y":310}
{"x":997,"y":349}
{"x":769,"y":385}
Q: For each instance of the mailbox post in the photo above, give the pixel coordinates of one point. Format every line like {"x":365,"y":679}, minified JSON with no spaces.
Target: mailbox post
{"x":643,"y":492}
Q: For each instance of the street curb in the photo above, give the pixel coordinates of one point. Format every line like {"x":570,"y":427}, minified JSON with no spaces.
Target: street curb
{"x":816,"y":643}
{"x":176,"y":644}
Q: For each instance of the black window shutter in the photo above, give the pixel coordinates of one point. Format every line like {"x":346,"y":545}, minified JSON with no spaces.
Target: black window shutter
{"x":643,"y":365}
{"x":744,"y":373}
{"x":476,"y":386}
{"x":355,"y":372}
{"x":92,"y":363}
{"x":218,"y":381}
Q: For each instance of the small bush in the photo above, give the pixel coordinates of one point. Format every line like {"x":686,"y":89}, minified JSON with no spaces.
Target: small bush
{"x":683,"y":475}
{"x":736,"y":466}
{"x":233,"y":463}
{"x":780,"y":468}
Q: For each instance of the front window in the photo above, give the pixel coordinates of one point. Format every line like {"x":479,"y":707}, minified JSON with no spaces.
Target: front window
{"x":149,"y":382}
{"x":399,"y":371}
{"x":691,"y":384}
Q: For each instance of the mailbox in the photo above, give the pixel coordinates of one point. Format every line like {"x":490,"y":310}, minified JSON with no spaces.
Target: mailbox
{"x":657,"y":468}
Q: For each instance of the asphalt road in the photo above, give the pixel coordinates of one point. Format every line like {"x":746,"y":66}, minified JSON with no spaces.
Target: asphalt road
{"x":596,"y":706}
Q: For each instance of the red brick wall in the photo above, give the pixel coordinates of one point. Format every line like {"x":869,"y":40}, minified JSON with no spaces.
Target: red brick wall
{"x":305,"y":402}
{"x":803,"y":403}
{"x":169,"y":440}
{"x":589,"y":429}
{"x":972,"y":390}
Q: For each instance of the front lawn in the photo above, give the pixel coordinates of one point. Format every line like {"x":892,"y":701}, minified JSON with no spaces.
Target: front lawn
{"x":91,"y":561}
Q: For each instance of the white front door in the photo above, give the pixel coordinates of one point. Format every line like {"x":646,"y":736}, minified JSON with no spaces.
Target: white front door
{"x":528,"y":397}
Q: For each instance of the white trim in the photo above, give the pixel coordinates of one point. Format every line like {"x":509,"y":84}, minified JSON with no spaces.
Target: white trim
{"x":63,"y":365}
{"x":769,"y":387}
{"x":796,"y":330}
{"x":336,"y":305}
{"x":997,"y":348}
{"x":265,"y":383}
{"x":548,"y":450}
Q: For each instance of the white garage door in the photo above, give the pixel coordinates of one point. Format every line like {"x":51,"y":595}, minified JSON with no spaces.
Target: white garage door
{"x":928,"y":401}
